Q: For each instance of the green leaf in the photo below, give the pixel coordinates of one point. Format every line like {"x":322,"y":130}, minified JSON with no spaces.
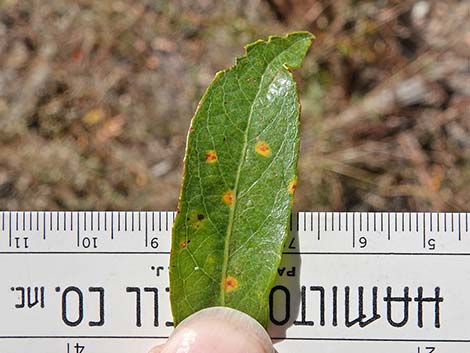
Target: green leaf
{"x":238,"y":184}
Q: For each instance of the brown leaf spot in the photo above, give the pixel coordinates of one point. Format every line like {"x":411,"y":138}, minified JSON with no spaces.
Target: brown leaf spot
{"x":292,"y":186}
{"x":211,"y":156}
{"x":263,"y":149}
{"x":185,"y":243}
{"x":231,"y":283}
{"x":228,"y":197}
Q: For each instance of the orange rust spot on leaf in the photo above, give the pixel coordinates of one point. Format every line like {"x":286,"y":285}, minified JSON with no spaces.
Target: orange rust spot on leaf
{"x":292,"y":186}
{"x":211,"y":156}
{"x":228,"y":197}
{"x":185,"y":243}
{"x":263,"y":149}
{"x":231,"y":283}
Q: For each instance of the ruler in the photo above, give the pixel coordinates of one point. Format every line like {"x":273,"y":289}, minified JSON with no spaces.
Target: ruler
{"x":90,"y":282}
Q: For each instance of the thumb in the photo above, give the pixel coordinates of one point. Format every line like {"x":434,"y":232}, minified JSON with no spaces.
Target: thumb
{"x":218,"y":330}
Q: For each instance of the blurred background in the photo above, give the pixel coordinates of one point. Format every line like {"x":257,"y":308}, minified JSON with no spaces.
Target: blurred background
{"x":96,"y":99}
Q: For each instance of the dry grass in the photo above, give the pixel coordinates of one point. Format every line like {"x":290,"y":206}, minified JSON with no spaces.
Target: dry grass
{"x":96,"y":98}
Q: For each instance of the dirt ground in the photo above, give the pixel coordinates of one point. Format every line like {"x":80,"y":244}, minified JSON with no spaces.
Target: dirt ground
{"x":96,"y":99}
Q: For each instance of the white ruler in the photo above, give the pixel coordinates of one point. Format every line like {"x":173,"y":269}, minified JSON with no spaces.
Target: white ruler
{"x":92,"y":282}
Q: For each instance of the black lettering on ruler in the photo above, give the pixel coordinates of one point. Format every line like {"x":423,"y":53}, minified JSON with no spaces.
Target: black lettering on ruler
{"x":16,"y":221}
{"x":119,"y":221}
{"x":99,"y":290}
{"x":30,"y":220}
{"x":321,"y":290}
{"x":71,"y":221}
{"x":303,"y":309}
{"x":280,"y":321}
{"x":333,"y":222}
{"x":305,"y":221}
{"x":324,"y":221}
{"x":381,"y":221}
{"x":375,"y":222}
{"x":37,"y":221}
{"x":445,"y":222}
{"x":367,"y":220}
{"x":138,"y":305}
{"x":437,"y":299}
{"x":79,"y":305}
{"x":3,"y":220}
{"x":452,"y":221}
{"x":311,"y":221}
{"x":166,"y":221}
{"x":84,"y":221}
{"x":65,"y":221}
{"x":99,"y":221}
{"x":406,"y":304}
{"x":339,"y":225}
{"x":409,"y":221}
{"x":360,"y":221}
{"x":402,"y":222}
{"x":50,"y":221}
{"x":335,"y":306}
{"x":155,"y":304}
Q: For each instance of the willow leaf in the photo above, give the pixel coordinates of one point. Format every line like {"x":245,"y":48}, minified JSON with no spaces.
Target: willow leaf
{"x":238,"y":184}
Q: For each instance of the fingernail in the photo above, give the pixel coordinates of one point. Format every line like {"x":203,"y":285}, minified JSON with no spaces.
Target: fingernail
{"x":218,"y":329}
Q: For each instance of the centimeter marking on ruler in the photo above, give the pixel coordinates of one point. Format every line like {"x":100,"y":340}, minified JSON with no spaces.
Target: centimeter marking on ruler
{"x":415,"y":233}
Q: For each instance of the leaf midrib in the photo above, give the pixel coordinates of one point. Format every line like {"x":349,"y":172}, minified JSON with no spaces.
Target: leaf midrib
{"x":228,"y":234}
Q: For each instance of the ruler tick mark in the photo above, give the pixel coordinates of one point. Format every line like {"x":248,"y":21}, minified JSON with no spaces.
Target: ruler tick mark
{"x":354,"y":229}
{"x":424,"y":229}
{"x":460,"y":227}
{"x":112,"y":225}
{"x":44,"y":225}
{"x":388,"y":227}
{"x":318,"y":225}
{"x":78,"y":228}
{"x":9,"y":231}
